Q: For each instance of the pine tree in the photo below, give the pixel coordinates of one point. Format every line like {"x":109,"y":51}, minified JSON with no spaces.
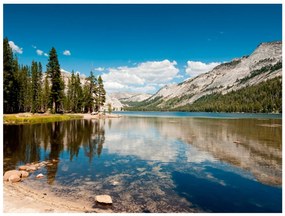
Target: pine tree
{"x":35,"y":87}
{"x":57,"y":85}
{"x":16,"y":86}
{"x":72,"y":92}
{"x":67,"y":106}
{"x":101,"y":94}
{"x":10,"y":84}
{"x":90,"y":91}
{"x":28,"y":96}
{"x":78,"y":94}
{"x":40,"y":88}
{"x":46,"y":94}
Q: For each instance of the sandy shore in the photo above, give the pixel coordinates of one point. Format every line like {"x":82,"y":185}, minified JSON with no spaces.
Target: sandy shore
{"x":100,"y":116}
{"x":18,"y":198}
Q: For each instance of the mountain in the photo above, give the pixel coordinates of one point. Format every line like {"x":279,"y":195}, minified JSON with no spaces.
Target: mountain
{"x":265,"y":63}
{"x":115,"y":103}
{"x":126,"y":97}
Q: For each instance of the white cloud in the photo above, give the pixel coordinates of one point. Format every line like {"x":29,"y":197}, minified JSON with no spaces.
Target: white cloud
{"x":99,"y":69}
{"x":145,"y":77}
{"x":15,"y":48}
{"x":195,"y":68}
{"x":66,"y":52}
{"x":39,"y":52}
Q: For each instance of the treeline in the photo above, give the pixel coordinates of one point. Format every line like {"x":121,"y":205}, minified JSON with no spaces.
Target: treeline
{"x":29,"y":89}
{"x":265,"y":97}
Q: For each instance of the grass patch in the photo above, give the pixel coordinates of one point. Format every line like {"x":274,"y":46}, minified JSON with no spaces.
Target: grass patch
{"x":33,"y":119}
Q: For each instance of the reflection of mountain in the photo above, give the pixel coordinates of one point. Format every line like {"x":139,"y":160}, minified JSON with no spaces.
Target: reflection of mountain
{"x":257,"y":148}
{"x":241,"y":142}
{"x":30,"y":143}
{"x":139,"y":137}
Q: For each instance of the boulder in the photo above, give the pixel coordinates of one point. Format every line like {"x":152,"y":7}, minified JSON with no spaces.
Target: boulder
{"x":115,"y":183}
{"x":40,"y":175}
{"x":14,"y":178}
{"x":10,"y":173}
{"x":24,"y":174}
{"x":37,"y":165}
{"x":24,"y":167}
{"x":31,"y":168}
{"x":103,"y":199}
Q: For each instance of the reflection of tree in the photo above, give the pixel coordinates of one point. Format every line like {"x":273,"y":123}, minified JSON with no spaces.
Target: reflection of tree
{"x":24,"y":143}
{"x":56,"y":146}
{"x":94,"y":144}
{"x":21,"y":144}
{"x":74,"y":136}
{"x":110,"y":123}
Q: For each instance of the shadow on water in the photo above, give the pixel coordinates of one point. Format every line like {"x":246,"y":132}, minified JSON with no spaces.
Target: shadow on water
{"x":238,"y":195}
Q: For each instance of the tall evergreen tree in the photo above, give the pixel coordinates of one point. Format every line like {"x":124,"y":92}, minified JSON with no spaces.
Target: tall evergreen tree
{"x":57,"y":85}
{"x":90,"y":91}
{"x":101,"y":94}
{"x":78,"y":94}
{"x":40,"y":89}
{"x":10,"y":84}
{"x":36,"y":86}
{"x":46,"y":94}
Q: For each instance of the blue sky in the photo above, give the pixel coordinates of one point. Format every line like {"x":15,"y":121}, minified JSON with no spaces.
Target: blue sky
{"x":140,"y":47}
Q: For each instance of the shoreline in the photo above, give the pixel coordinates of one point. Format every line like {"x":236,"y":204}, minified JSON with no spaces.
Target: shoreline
{"x":29,"y":118}
{"x":18,"y":198}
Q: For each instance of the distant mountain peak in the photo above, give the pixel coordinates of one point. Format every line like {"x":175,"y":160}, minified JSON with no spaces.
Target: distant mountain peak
{"x":229,"y":76}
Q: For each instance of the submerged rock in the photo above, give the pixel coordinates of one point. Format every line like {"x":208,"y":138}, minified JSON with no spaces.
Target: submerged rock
{"x":115,"y":183}
{"x":29,"y":167}
{"x":24,"y":174}
{"x":14,"y":178}
{"x":10,"y":173}
{"x":40,"y":175}
{"x":32,"y":168}
{"x":24,"y":167}
{"x":104,"y":199}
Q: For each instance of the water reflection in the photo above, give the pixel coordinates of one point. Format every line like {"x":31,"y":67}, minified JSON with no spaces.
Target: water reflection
{"x":156,"y":164}
{"x":250,"y":144}
{"x":47,"y":141}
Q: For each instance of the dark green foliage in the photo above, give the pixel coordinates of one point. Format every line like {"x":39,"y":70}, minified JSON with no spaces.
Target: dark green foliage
{"x":146,"y":105}
{"x":101,"y":94}
{"x":74,"y":97}
{"x":90,"y":91}
{"x":109,"y":108}
{"x":229,"y":64}
{"x":78,"y":94}
{"x":57,"y":85}
{"x":265,"y":97}
{"x":10,"y":81}
{"x":46,"y":94}
{"x":268,"y":68}
{"x":25,"y":89}
{"x":36,"y":87}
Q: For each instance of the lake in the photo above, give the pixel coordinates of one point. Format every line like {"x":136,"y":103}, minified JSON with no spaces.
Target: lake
{"x":157,"y":162}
